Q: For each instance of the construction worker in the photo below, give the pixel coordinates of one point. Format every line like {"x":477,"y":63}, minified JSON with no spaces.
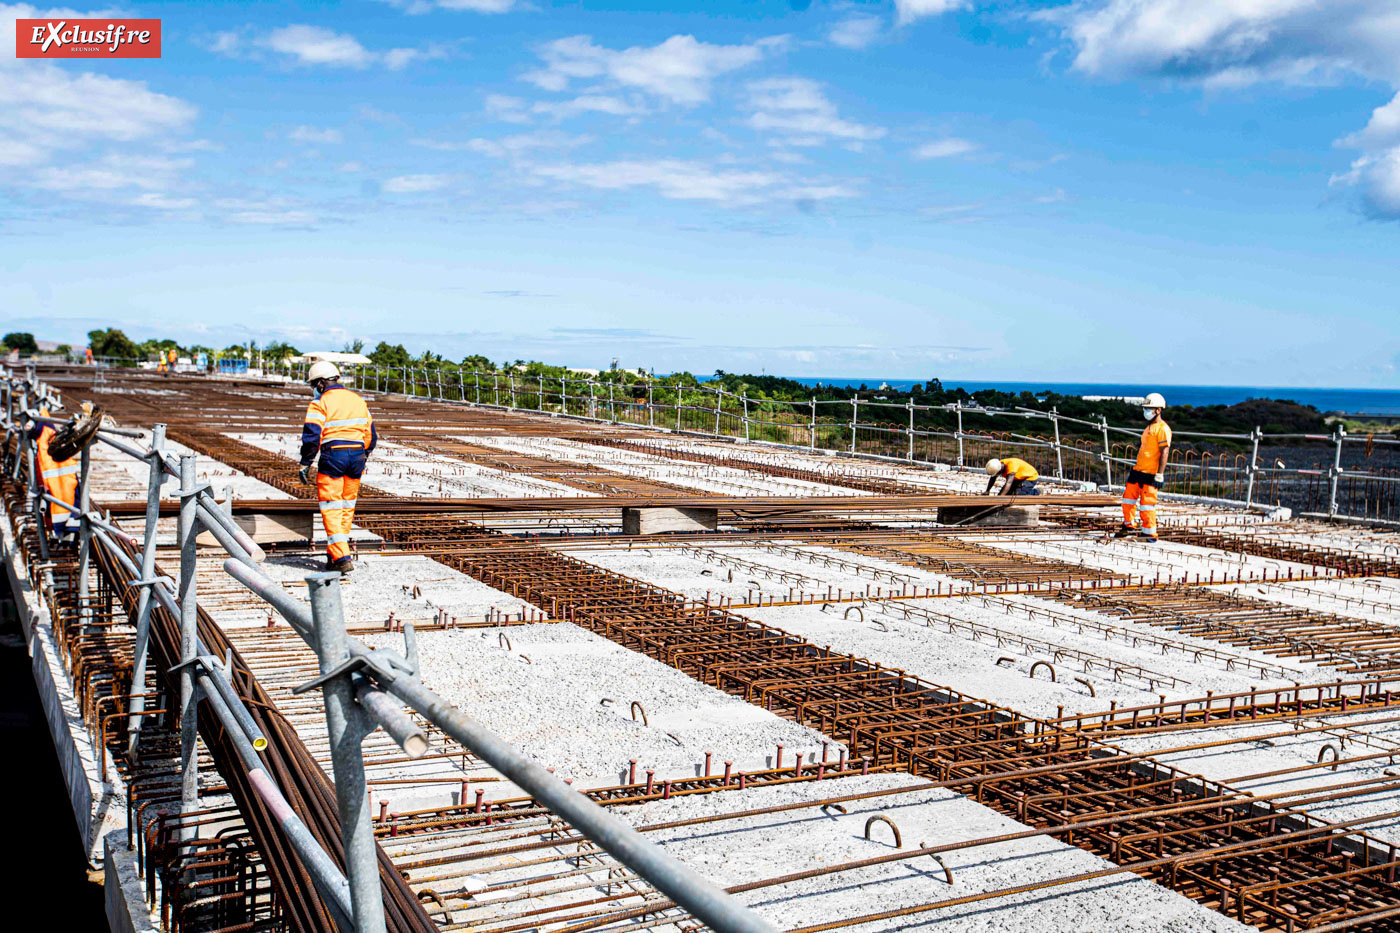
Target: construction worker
{"x":1020,"y":477}
{"x":1148,"y":472}
{"x":172,"y":357}
{"x":60,"y":477}
{"x":339,"y":426}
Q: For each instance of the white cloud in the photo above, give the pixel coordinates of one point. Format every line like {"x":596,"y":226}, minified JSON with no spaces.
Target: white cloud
{"x":856,"y":32}
{"x":350,"y":167}
{"x":315,"y":134}
{"x":416,"y":184}
{"x":161,"y":202}
{"x":272,"y":218}
{"x":521,"y":143}
{"x":416,"y":7}
{"x":690,"y":180}
{"x":945,"y":148}
{"x":1231,"y":43}
{"x":909,"y":10}
{"x":672,"y":178}
{"x":797,"y":107}
{"x":679,"y":69}
{"x":1228,"y":44}
{"x":586,"y":103}
{"x":507,"y":109}
{"x":224,"y":43}
{"x":112,"y":172}
{"x":1382,"y":129}
{"x":314,"y":45}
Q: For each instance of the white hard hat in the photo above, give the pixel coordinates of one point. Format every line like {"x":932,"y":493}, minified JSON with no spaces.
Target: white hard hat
{"x":321,"y":369}
{"x":993,"y":466}
{"x":1154,"y":400}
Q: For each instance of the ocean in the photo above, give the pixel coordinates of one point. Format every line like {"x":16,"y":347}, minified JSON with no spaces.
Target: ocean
{"x":1363,"y":401}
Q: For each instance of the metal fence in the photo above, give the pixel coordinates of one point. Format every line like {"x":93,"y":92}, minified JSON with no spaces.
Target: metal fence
{"x":1327,"y":474}
{"x":363,"y":688}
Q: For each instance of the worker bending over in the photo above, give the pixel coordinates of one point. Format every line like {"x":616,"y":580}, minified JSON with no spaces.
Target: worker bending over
{"x":60,"y":477}
{"x":1020,"y":477}
{"x":1148,"y":472}
{"x":338,"y":424}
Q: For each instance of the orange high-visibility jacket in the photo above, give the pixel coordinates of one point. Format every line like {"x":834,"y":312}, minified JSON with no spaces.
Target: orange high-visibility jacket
{"x":1016,"y":468}
{"x":338,"y":418}
{"x":1149,"y":458}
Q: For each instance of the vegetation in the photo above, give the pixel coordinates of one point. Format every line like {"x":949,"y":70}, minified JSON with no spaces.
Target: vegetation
{"x":24,"y":343}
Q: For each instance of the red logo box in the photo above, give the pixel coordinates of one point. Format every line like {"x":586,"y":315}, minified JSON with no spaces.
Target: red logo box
{"x":87,"y":38}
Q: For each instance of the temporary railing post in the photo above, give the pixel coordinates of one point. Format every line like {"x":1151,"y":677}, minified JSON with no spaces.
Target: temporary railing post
{"x":855,"y":417}
{"x":495,"y":389}
{"x":1059,"y":454}
{"x":812,"y":442}
{"x":679,"y":390}
{"x":36,"y":487}
{"x":744,"y":397}
{"x":1253,"y":466}
{"x":719,"y":401}
{"x":563,"y":395}
{"x":143,"y":601}
{"x":1336,"y":471}
{"x":910,"y":455}
{"x":612,"y":406}
{"x":84,"y":530}
{"x":347,"y":725}
{"x":960,"y":433}
{"x":1107,"y":461}
{"x":189,"y":621}
{"x":541,"y":405}
{"x":651,"y":407}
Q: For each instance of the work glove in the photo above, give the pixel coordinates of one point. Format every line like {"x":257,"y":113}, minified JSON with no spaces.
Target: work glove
{"x":305,"y":475}
{"x":1160,"y":478}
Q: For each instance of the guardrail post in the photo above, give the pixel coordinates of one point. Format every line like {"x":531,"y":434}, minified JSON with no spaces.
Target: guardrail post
{"x":612,"y":405}
{"x":143,"y":602}
{"x":855,"y":419}
{"x":1059,"y":454}
{"x":812,"y":444}
{"x":563,"y":395}
{"x":960,"y":432}
{"x":84,"y":530}
{"x":347,"y":725}
{"x":910,"y":455}
{"x":36,"y":487}
{"x":744,"y":397}
{"x":719,"y":399}
{"x":651,"y":407}
{"x":189,"y":621}
{"x":1336,"y":471}
{"x":679,"y":390}
{"x":1107,"y":454}
{"x":1253,"y":466}
{"x":541,"y":405}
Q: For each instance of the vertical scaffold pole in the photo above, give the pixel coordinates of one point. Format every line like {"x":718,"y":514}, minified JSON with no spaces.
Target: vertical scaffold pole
{"x":189,"y":621}
{"x":143,"y":601}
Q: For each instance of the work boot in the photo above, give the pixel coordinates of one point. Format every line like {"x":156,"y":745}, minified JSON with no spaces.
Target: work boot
{"x":344,"y":565}
{"x":1124,"y":530}
{"x":1149,"y":536}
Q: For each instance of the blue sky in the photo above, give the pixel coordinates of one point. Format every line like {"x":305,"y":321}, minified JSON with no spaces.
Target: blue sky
{"x":1183,"y":191}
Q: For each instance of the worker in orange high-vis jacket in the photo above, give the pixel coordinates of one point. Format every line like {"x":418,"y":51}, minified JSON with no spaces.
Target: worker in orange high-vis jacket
{"x":1148,"y":472}
{"x":1020,"y":477}
{"x":338,"y":425}
{"x":60,"y":477}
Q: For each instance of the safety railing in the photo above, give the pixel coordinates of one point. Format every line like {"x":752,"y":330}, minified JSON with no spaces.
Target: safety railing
{"x":362,"y":688}
{"x":887,"y":430}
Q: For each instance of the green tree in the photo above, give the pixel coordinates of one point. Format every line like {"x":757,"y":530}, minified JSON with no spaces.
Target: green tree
{"x":112,"y":342}
{"x":279,"y":351}
{"x":389,"y":355}
{"x":24,"y":343}
{"x":478,"y":362}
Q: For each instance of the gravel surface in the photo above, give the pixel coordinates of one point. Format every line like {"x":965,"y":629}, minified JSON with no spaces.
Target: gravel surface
{"x":759,"y":847}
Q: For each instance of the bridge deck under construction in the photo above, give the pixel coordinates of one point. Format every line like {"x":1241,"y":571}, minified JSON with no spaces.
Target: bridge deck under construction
{"x":846,"y":712}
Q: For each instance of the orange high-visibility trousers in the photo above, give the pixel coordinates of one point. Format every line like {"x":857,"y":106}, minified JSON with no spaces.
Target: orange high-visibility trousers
{"x":1140,"y":497}
{"x":338,"y":495}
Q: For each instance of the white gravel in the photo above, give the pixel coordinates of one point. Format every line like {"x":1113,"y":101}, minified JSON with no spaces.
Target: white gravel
{"x":569,"y":705}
